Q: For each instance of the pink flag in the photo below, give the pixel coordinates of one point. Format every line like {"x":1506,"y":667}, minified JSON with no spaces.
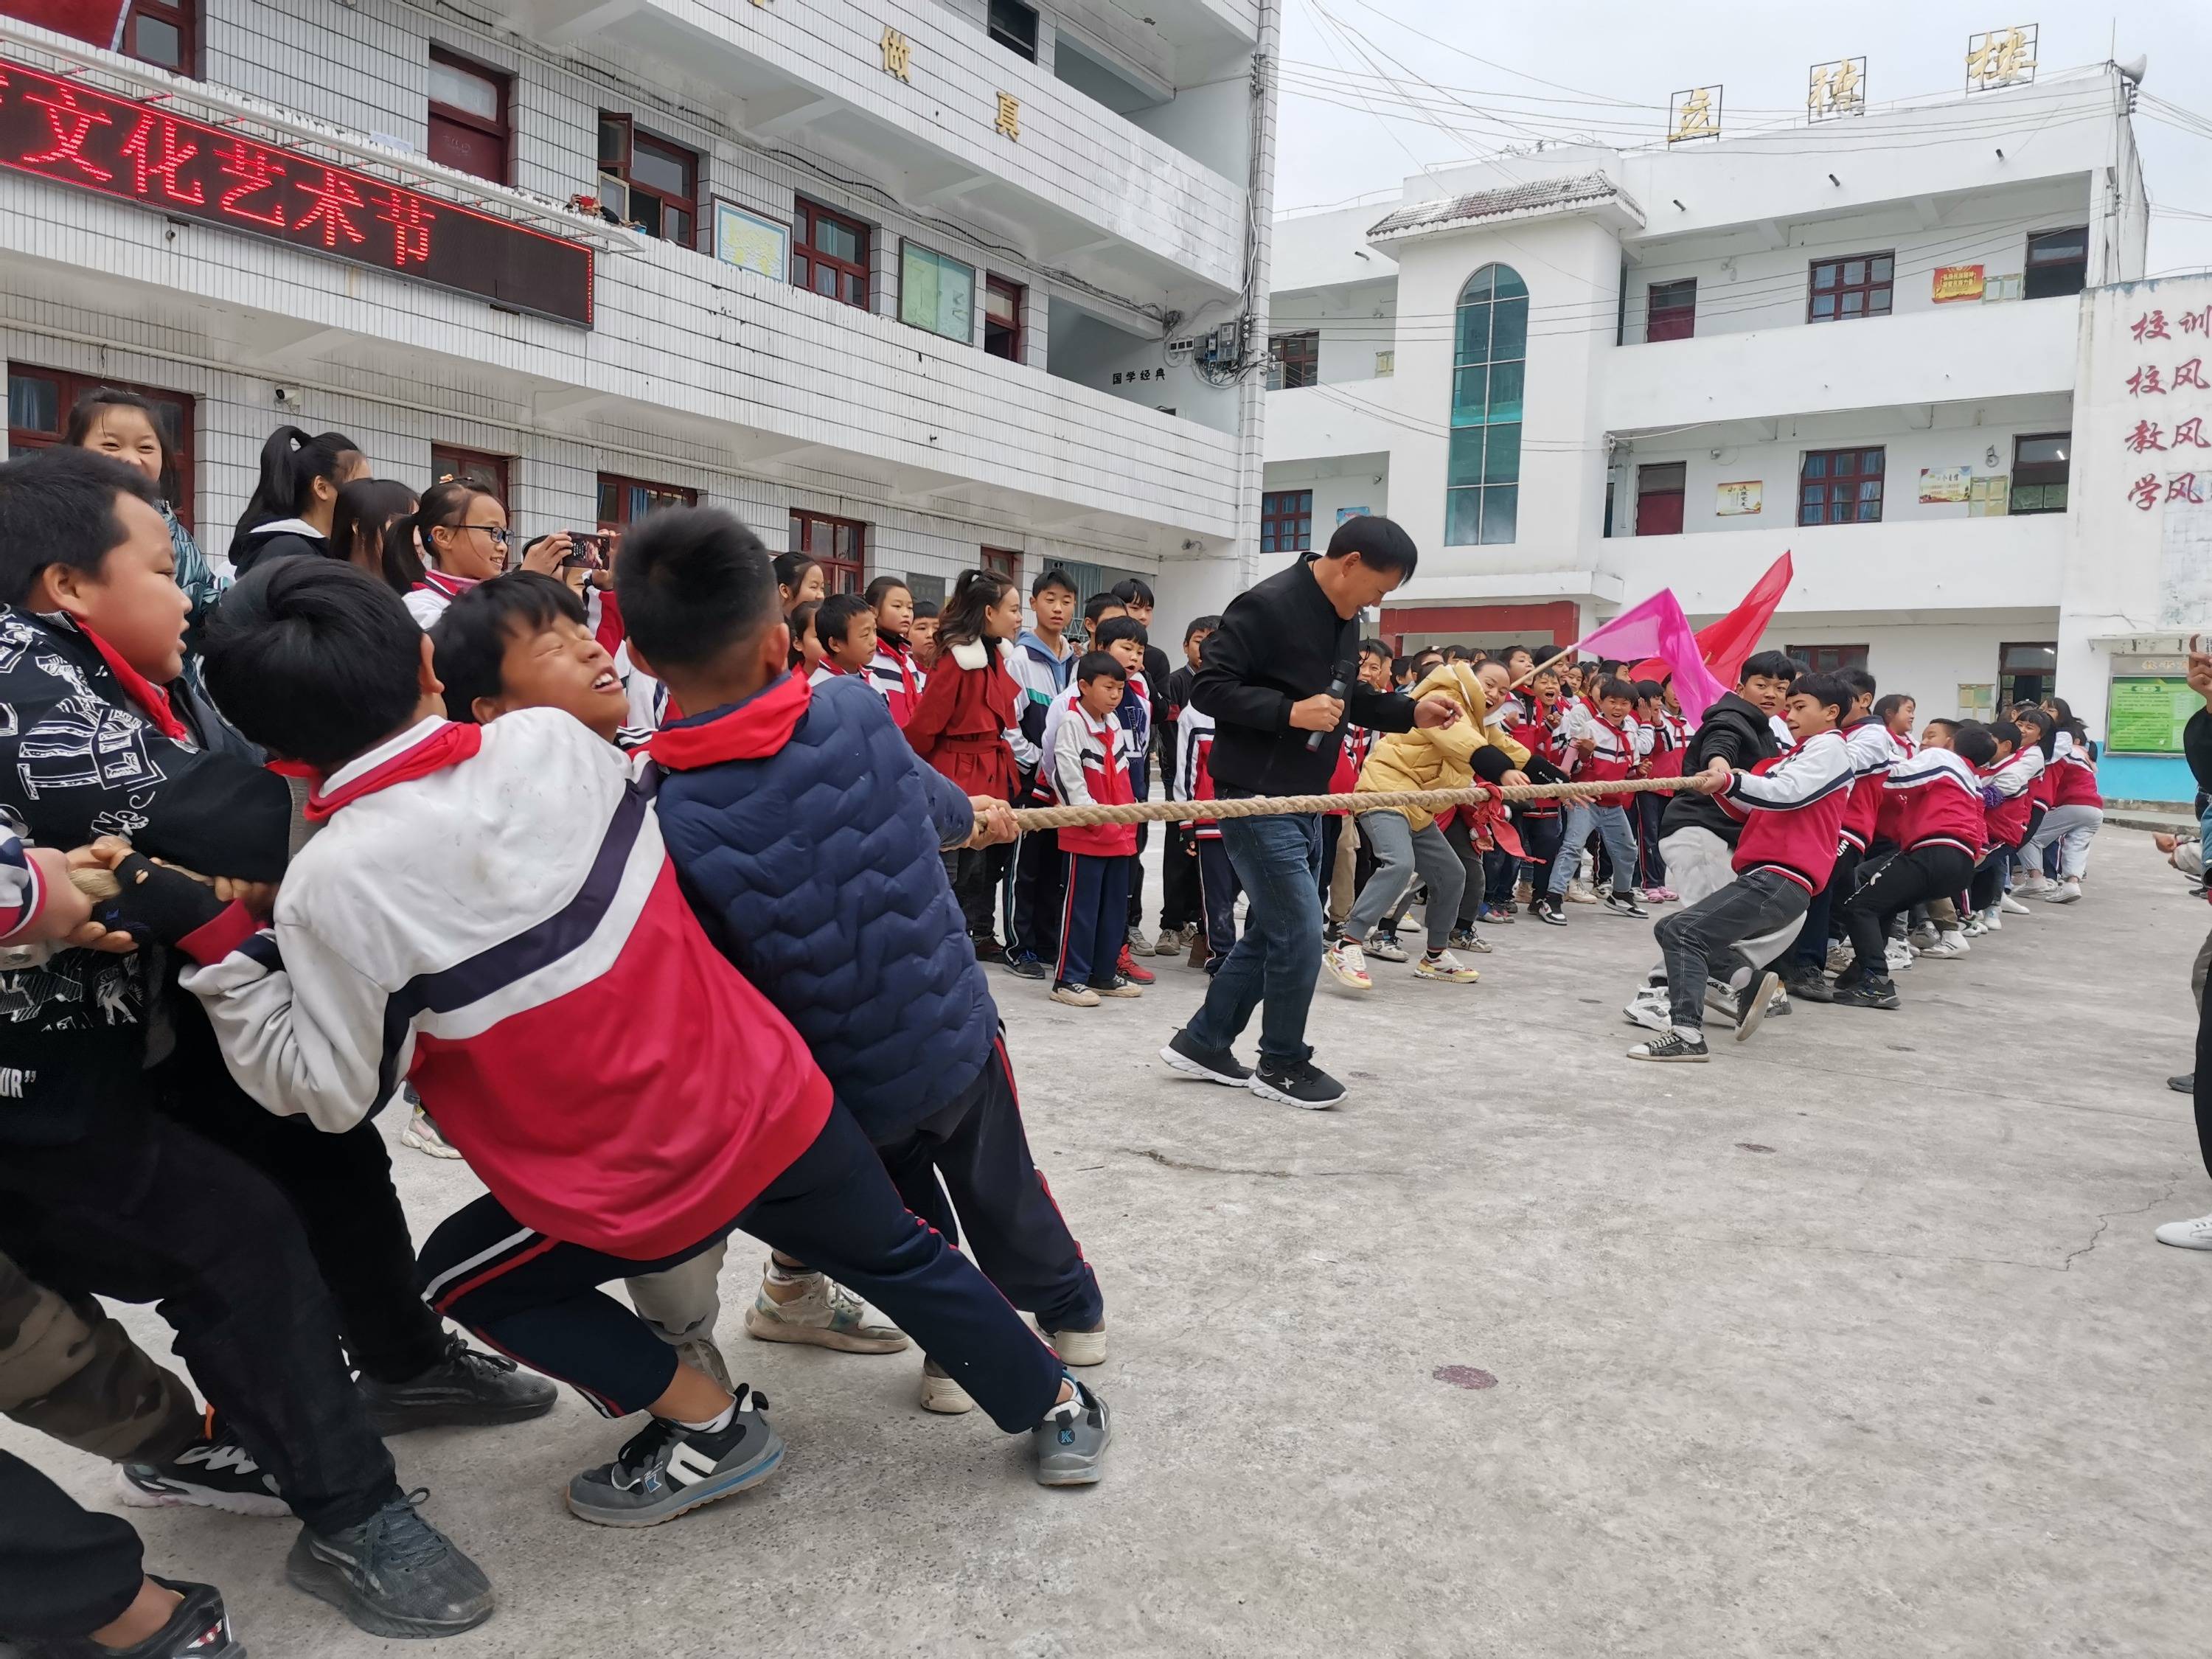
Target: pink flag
{"x":1657,"y":627}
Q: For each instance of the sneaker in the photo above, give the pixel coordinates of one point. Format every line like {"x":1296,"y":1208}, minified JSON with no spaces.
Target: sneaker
{"x":1303,"y":1085}
{"x":1875,"y":991}
{"x":1809,"y":984}
{"x":1347,"y":965}
{"x":1079,"y":1347}
{"x":665,"y":1468}
{"x":2013,"y":906}
{"x":1840,"y":954}
{"x":1756,"y":1003}
{"x":214,"y":1473}
{"x":1218,"y":1065}
{"x":2183,"y":1084}
{"x":1120,"y":987}
{"x":1472,"y":941}
{"x":1673,"y":1046}
{"x":940,"y":1394}
{"x":1974,"y":927}
{"x":1446,"y":967}
{"x":1992,"y":920}
{"x":1949,"y":942}
{"x":825,"y":1315}
{"x":1138,"y":943}
{"x":1896,"y":955}
{"x":989,"y":949}
{"x":1384,"y":947}
{"x":2066,"y":892}
{"x":1026,"y":968}
{"x":1924,"y":936}
{"x":1075,"y":996}
{"x":2187,"y":1235}
{"x":467,"y":1389}
{"x":393,"y":1574}
{"x":1461,"y":938}
{"x":422,"y":1135}
{"x":1524,"y":893}
{"x":1661,"y":894}
{"x":700,"y":1354}
{"x":1648,"y":1008}
{"x":1495,"y":915}
{"x":1579,"y":893}
{"x":1550,"y":911}
{"x":199,"y":1628}
{"x":1070,"y":1443}
{"x":1125,"y":966}
{"x":1624,"y":905}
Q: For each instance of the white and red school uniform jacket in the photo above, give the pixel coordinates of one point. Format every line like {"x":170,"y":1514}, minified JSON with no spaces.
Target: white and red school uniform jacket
{"x":23,"y":890}
{"x":1670,"y":735}
{"x":1873,"y":753}
{"x":1088,"y":768}
{"x":1194,"y":735}
{"x":1888,"y":814}
{"x":427,"y":600}
{"x":2014,"y":779}
{"x":1535,"y":727}
{"x":898,"y":679}
{"x":1619,"y":748}
{"x":2074,"y":781}
{"x":1938,"y":803}
{"x":489,"y":913}
{"x":1791,"y":808}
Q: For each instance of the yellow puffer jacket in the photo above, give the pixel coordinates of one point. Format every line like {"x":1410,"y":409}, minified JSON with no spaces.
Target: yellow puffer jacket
{"x":1426,"y":759}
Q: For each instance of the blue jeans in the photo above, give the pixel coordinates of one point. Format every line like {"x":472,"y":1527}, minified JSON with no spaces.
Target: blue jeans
{"x":1611,"y":824}
{"x":1278,"y":859}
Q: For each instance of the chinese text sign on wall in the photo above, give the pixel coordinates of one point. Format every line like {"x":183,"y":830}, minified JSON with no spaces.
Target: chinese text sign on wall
{"x":72,"y":135}
{"x":1958,"y":283}
{"x":2001,"y":57}
{"x":1694,"y":115}
{"x":1837,"y":88}
{"x":1738,"y":499}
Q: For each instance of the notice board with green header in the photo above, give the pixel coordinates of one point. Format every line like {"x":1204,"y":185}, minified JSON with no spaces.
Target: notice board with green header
{"x":2147,"y":712}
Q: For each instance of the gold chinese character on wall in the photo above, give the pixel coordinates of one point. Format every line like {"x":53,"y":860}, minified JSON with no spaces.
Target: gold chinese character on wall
{"x":1837,"y":88}
{"x":2001,"y":58}
{"x":1694,"y":115}
{"x":898,"y":54}
{"x":1010,"y":115}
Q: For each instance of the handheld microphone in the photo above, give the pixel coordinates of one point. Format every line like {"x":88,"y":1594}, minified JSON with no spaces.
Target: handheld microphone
{"x":1337,"y":688}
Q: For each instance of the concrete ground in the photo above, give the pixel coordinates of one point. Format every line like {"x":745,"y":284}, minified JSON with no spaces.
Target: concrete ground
{"x":1855,"y":1341}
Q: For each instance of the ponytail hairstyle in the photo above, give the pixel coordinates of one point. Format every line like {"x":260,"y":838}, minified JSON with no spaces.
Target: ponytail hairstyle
{"x":367,"y":509}
{"x":291,"y":462}
{"x":791,"y":570}
{"x":89,"y":408}
{"x":2046,"y":736}
{"x":443,"y":505}
{"x":2062,"y":713}
{"x":975,"y":593}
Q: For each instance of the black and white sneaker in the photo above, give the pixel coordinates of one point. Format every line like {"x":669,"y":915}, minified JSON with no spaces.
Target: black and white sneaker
{"x":465,"y":1388}
{"x":1193,"y":1059}
{"x":214,"y":1473}
{"x":1754,"y":1004}
{"x":1874,"y":991}
{"x":1624,"y":905}
{"x":1026,"y":967}
{"x":1303,"y":1084}
{"x":199,"y":1628}
{"x":1550,"y":910}
{"x":666,"y":1468}
{"x":1673,"y":1046}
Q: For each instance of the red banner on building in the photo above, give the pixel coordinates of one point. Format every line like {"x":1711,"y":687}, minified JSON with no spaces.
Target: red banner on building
{"x":72,"y":135}
{"x":100,"y":22}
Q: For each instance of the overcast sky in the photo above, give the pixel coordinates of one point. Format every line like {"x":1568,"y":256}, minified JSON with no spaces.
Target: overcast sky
{"x":1637,"y":54}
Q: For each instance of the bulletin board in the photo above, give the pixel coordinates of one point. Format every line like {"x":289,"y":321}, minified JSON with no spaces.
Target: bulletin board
{"x":2147,"y":713}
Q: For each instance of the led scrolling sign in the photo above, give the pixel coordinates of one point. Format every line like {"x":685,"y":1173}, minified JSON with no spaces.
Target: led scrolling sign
{"x":138,"y":152}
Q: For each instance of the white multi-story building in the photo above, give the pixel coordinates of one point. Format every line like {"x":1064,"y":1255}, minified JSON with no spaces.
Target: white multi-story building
{"x":1582,"y":374}
{"x":892,"y":278}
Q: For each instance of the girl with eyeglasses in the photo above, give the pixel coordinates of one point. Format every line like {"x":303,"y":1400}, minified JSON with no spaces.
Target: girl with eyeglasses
{"x":461,"y":532}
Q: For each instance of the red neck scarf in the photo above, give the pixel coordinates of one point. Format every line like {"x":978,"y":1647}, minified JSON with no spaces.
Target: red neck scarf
{"x":153,"y":702}
{"x":450,"y":744}
{"x":758,"y":727}
{"x":452,"y":587}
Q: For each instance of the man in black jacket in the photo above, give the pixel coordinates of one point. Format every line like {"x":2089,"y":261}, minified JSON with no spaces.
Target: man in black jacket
{"x":1282,"y":669}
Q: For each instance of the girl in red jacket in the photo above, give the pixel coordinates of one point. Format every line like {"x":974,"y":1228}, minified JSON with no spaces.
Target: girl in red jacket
{"x":963,"y":722}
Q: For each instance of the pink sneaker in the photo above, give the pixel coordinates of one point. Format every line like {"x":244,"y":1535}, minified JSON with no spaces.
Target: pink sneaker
{"x":1660,"y":894}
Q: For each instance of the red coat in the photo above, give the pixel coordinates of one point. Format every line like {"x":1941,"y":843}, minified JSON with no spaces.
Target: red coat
{"x":959,"y":726}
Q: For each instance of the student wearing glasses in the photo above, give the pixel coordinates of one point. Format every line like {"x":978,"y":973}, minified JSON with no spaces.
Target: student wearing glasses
{"x":462,"y":532}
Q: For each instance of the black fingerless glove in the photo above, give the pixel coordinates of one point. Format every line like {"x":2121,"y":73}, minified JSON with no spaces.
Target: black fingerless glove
{"x":157,"y":903}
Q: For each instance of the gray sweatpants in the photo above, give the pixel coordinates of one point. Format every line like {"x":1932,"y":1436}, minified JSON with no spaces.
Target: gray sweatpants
{"x":2073,"y":828}
{"x":1400,"y":851}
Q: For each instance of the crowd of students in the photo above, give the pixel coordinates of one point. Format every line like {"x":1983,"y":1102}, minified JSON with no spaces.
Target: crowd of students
{"x":500,"y":784}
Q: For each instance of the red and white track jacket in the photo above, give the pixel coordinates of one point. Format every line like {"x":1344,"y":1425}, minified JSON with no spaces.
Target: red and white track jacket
{"x":1939,"y":803}
{"x":2074,"y":781}
{"x":1194,"y":734}
{"x":1791,"y":809}
{"x":490,"y":912}
{"x":1873,"y":751}
{"x":1088,"y":771}
{"x":898,"y":679}
{"x":2014,"y":779}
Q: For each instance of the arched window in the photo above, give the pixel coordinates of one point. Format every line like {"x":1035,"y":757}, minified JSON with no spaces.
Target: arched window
{"x":1482,"y":497}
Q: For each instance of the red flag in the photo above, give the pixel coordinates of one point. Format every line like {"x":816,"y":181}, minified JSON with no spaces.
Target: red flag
{"x":1725,"y":643}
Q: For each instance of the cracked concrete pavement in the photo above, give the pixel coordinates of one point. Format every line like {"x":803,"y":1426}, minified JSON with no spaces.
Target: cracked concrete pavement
{"x":1854,"y":1340}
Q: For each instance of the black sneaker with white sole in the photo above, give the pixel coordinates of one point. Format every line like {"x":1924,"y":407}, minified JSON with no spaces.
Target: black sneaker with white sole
{"x":214,"y":1473}
{"x":1755,"y":1002}
{"x":1025,"y":967}
{"x":393,"y":1575}
{"x":1194,"y":1059}
{"x":1874,"y":991}
{"x":1673,"y":1046}
{"x":666,"y":1468}
{"x":199,"y":1628}
{"x":1552,"y":912}
{"x":1303,"y":1085}
{"x":464,"y":1389}
{"x":1624,"y":905}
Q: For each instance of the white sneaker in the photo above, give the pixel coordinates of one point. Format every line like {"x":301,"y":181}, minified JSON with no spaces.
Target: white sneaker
{"x":1075,"y":996}
{"x":1347,"y":964}
{"x":1384,"y":947}
{"x":940,"y":1394}
{"x":2013,"y":906}
{"x":2067,"y":891}
{"x":2187,"y":1235}
{"x":1648,"y":1008}
{"x":1992,"y":920}
{"x":1079,"y":1347}
{"x":1973,"y":928}
{"x":1949,"y":942}
{"x":1446,"y":967}
{"x":2032,"y":884}
{"x":422,"y":1135}
{"x":1897,"y":955}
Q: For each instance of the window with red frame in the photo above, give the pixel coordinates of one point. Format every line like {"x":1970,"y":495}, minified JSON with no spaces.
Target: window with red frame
{"x":1673,"y":313}
{"x":1005,"y":561}
{"x":38,"y":405}
{"x":471,"y":127}
{"x":488,"y":473}
{"x":1840,"y":486}
{"x":830,"y":254}
{"x":839,"y":545}
{"x":165,"y":32}
{"x":1286,"y":520}
{"x":1002,"y":319}
{"x":1846,"y":288}
{"x":661,"y":180}
{"x":623,"y":501}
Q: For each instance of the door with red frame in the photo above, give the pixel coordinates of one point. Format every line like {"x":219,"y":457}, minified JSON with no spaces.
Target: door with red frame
{"x":1659,"y":494}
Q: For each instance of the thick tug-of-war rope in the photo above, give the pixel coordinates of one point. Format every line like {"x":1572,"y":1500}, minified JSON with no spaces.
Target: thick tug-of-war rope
{"x":1259,"y":806}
